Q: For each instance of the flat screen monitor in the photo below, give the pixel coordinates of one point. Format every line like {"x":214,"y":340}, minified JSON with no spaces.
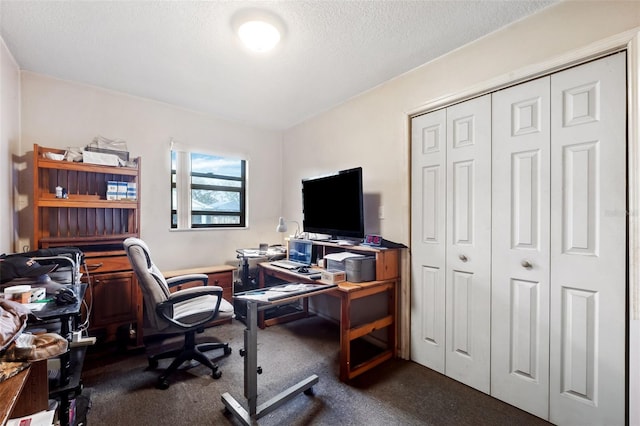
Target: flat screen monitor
{"x":332,"y":205}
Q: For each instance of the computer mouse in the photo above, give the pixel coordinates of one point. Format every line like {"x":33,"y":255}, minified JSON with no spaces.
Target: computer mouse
{"x":303,"y":270}
{"x":65,"y":296}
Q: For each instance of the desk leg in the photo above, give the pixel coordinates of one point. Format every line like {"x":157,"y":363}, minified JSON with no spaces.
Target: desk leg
{"x":261,"y":284}
{"x":251,"y":358}
{"x":393,"y":311}
{"x":345,"y":341}
{"x":251,"y":378}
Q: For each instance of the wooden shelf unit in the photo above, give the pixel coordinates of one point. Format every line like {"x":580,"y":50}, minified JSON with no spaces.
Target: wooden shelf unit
{"x":86,"y":217}
{"x":87,"y":220}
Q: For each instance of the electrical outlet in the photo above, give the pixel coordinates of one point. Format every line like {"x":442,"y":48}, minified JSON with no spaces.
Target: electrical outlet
{"x":22,"y":245}
{"x":22,"y":201}
{"x":381,"y":212}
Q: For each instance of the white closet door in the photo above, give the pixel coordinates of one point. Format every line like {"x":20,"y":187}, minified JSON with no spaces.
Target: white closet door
{"x":520,"y":247}
{"x":468,"y":256}
{"x":428,"y":177}
{"x":588,"y":244}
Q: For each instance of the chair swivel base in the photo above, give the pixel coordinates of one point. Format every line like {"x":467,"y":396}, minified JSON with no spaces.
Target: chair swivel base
{"x":190,"y":351}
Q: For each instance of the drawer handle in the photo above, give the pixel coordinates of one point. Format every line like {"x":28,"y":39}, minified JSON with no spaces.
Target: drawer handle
{"x":463,"y":257}
{"x":95,"y":265}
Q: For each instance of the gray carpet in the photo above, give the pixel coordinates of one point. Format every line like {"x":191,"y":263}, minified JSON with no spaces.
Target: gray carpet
{"x":397,"y":392}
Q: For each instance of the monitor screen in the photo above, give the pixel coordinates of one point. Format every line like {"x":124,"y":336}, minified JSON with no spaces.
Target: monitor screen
{"x":333,"y":204}
{"x":300,"y":251}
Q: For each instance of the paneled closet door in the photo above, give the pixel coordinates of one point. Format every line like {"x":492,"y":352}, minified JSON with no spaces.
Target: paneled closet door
{"x":520,"y":251}
{"x":468,"y":256}
{"x":588,"y":243}
{"x":428,"y":239}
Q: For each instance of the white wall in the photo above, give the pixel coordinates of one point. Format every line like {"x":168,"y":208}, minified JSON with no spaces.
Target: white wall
{"x":372,"y":130}
{"x":60,"y":114}
{"x":9,"y":141}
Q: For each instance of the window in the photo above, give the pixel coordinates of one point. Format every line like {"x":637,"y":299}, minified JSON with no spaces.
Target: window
{"x":207,"y":191}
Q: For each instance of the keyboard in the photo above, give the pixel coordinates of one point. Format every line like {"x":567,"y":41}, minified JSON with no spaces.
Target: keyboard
{"x":287,"y":264}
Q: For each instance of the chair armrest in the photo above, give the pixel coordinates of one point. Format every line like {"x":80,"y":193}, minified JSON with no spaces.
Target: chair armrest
{"x":181,"y":279}
{"x":165,"y":309}
{"x":192,"y":293}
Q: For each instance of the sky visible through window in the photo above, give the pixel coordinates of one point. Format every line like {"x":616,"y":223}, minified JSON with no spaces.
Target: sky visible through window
{"x":202,"y":163}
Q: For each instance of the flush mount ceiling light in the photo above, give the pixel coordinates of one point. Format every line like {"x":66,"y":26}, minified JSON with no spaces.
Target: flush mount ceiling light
{"x":259,"y":36}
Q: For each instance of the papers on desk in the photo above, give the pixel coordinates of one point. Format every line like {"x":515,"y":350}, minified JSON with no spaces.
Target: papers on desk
{"x":270,"y":294}
{"x":271,"y":251}
{"x":35,"y":307}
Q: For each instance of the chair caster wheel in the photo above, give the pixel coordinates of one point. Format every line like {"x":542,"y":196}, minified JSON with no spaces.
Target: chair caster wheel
{"x":309,"y":392}
{"x":216,"y":374}
{"x":162,"y":383}
{"x":227,"y":350}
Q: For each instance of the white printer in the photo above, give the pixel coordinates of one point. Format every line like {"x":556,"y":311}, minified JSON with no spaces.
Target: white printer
{"x":358,"y":267}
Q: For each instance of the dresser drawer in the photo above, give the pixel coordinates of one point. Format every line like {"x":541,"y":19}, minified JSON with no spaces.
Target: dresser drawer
{"x":102,"y":264}
{"x":221,"y":276}
{"x":224,"y":280}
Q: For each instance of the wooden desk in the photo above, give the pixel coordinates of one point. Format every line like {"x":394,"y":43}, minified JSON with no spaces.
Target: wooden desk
{"x":25,"y":393}
{"x":350,"y":365}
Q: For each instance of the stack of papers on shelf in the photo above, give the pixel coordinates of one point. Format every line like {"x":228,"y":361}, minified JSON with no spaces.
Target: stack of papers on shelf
{"x":340,"y":257}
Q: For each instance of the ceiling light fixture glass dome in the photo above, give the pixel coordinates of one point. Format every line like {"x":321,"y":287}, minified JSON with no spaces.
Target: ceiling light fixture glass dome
{"x":259,"y":36}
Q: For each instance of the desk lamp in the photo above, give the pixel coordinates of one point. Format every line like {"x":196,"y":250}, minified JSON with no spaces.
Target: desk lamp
{"x":282,"y":226}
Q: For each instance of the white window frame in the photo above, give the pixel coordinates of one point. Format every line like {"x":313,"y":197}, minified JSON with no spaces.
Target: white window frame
{"x":183,"y":188}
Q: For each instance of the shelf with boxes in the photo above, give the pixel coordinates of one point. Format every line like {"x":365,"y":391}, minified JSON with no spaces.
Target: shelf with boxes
{"x":122,"y":190}
{"x":86,"y":215}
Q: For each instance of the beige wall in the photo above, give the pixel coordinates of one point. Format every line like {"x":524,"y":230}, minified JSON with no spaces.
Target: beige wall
{"x":9,"y":140}
{"x":60,"y":114}
{"x":371,"y":130}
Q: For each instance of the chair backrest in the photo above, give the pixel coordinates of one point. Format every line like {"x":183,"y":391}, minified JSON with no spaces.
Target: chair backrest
{"x":151,"y":281}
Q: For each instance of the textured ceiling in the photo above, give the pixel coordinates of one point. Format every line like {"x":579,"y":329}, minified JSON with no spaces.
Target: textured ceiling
{"x":186,"y":53}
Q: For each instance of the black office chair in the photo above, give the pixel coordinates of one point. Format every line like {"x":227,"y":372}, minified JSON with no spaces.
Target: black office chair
{"x":184,"y":312}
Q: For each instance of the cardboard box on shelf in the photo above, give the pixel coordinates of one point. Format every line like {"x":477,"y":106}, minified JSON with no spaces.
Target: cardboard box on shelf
{"x":122,"y":191}
{"x":112,"y":190}
{"x":332,"y":276}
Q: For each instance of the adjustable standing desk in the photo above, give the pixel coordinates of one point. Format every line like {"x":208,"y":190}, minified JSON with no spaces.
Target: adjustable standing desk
{"x":259,"y":300}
